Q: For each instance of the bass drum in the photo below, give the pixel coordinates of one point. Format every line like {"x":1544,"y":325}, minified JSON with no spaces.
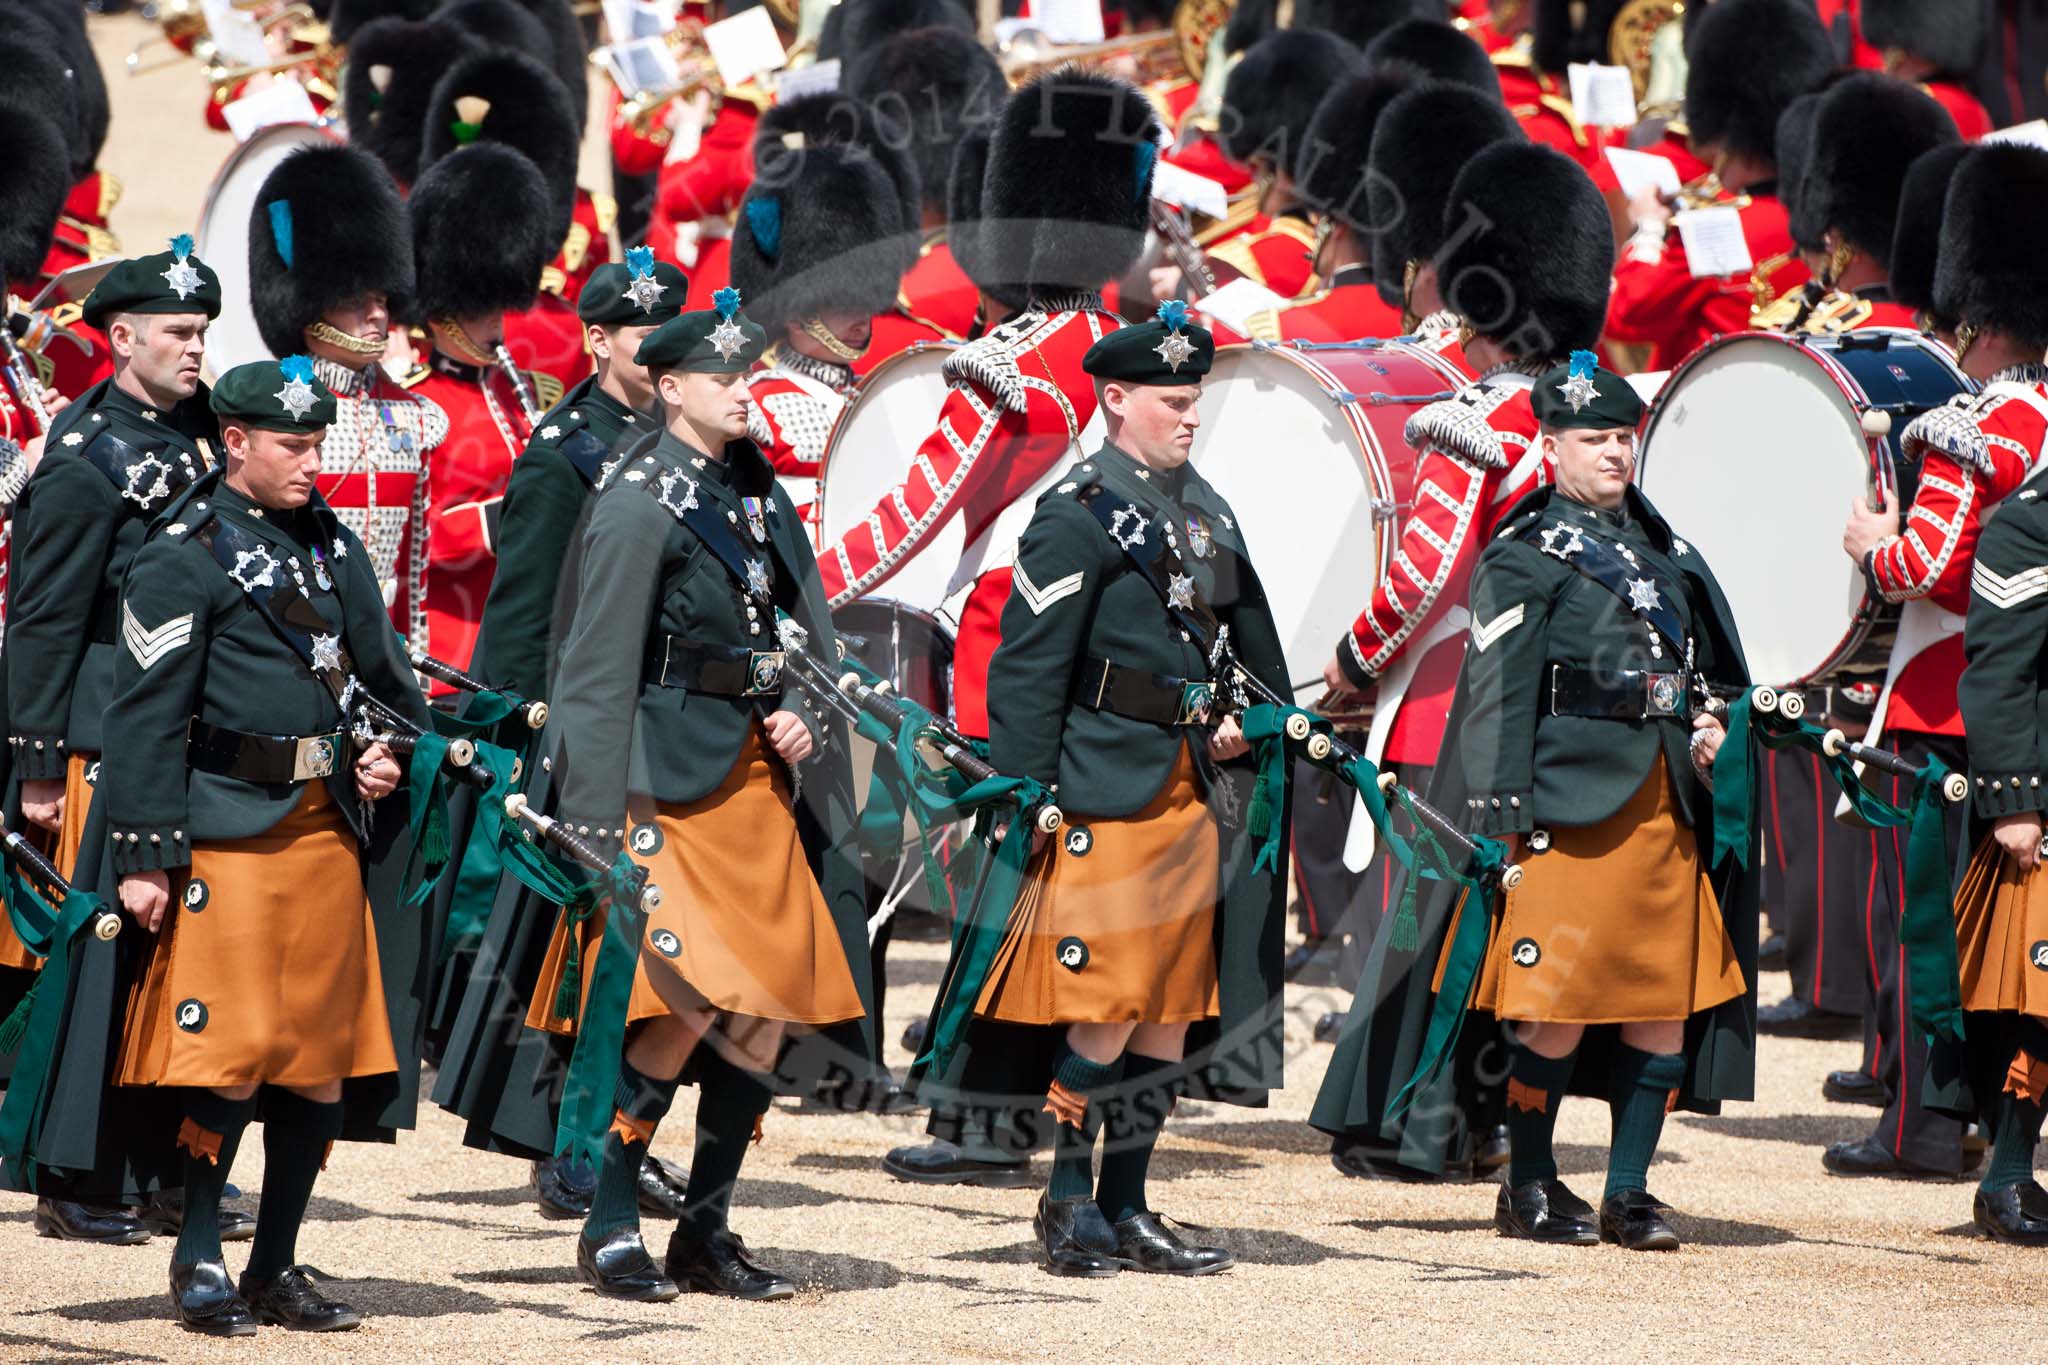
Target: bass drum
{"x":1306,"y":443}
{"x":1756,"y":445}
{"x":223,"y":237}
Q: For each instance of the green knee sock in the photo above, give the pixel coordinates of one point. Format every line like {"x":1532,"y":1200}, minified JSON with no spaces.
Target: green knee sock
{"x":615,"y":1203}
{"x":2014,"y":1130}
{"x":208,"y":1138}
{"x":1130,"y":1131}
{"x":1535,"y":1088}
{"x":296,"y":1135}
{"x":729,"y":1101}
{"x":1076,"y":1080}
{"x":1638,"y":1090}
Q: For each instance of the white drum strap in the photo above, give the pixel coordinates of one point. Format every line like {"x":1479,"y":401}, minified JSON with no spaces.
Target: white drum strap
{"x":1361,"y":838}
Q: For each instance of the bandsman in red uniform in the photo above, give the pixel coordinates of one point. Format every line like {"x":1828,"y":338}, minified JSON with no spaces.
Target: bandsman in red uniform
{"x":1533,"y":77}
{"x":1916,"y":238}
{"x":1749,"y":60}
{"x":322,"y":284}
{"x":1532,"y":289}
{"x":1972,"y":454}
{"x":387,"y":88}
{"x":1938,"y":44}
{"x":480,"y":231}
{"x":707,"y":168}
{"x":928,"y":88}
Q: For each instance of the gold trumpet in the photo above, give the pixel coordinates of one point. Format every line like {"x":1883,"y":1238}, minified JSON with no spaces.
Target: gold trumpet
{"x":695,"y":67}
{"x":1146,"y":57}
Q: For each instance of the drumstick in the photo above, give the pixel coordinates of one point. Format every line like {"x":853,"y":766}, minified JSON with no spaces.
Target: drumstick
{"x":26,"y":856}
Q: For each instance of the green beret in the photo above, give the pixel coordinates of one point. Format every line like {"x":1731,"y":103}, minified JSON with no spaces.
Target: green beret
{"x":714,"y":340}
{"x":641,"y":291}
{"x":1167,"y":350}
{"x":1580,"y":396}
{"x":173,"y":281}
{"x":274,"y":395}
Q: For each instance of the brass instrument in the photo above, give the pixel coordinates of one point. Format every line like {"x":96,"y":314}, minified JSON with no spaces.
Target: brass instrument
{"x":1195,"y":22}
{"x":1178,"y":242}
{"x":181,"y":24}
{"x":1146,"y":57}
{"x":695,"y":67}
{"x":1633,"y":31}
{"x":185,"y":28}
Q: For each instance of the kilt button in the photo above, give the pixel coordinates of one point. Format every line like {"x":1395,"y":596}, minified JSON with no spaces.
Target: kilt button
{"x":1080,"y":842}
{"x":197,"y":894}
{"x":1525,"y":952}
{"x":1539,"y":840}
{"x":645,"y":839}
{"x":1072,"y":953}
{"x":191,"y":1015}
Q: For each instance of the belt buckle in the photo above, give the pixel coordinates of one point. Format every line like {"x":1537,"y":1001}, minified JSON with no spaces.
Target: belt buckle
{"x":1663,"y":694}
{"x":764,"y":671}
{"x":1197,"y":699}
{"x":314,"y":757}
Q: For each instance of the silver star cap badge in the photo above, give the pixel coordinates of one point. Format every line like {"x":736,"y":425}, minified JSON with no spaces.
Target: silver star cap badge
{"x":327,"y":653}
{"x":644,"y":293}
{"x":182,"y":278}
{"x":1174,"y":350}
{"x":1579,"y":390}
{"x":727,"y":339}
{"x":1642,"y":594}
{"x":1180,"y":592}
{"x":296,"y":398}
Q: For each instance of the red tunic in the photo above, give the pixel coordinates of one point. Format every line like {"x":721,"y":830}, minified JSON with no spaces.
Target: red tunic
{"x":1478,"y":458}
{"x":1019,"y":401}
{"x":373,"y":473}
{"x":792,"y":404}
{"x":549,"y":336}
{"x":936,"y":302}
{"x":1973,"y":120}
{"x":487,"y":428}
{"x":1972,"y":453}
{"x":82,"y":231}
{"x":1657,"y":300}
{"x":1543,"y":106}
{"x":705,"y":188}
{"x":1278,"y":255}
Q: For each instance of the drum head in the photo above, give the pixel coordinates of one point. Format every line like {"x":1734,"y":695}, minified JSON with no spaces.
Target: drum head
{"x":1753,"y":452}
{"x":223,"y":239}
{"x":1294,"y":468}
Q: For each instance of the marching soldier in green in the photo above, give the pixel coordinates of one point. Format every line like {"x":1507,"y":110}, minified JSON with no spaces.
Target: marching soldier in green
{"x":545,"y":509}
{"x":1582,"y":738}
{"x":681,"y":735}
{"x":1141,"y":919}
{"x":114,"y":459}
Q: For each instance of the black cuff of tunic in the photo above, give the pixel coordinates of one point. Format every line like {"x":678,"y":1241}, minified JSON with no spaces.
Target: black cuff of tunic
{"x":2007,"y":794}
{"x":38,"y":758}
{"x":157,"y":848}
{"x":1495,"y":816}
{"x":1349,"y":665}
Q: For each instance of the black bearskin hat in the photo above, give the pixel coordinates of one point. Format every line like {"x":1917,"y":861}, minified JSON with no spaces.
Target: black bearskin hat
{"x":1916,"y":239}
{"x":1556,"y":42}
{"x":1250,"y":20}
{"x":304,"y":257}
{"x":31,"y":194}
{"x":1358,"y":22}
{"x":387,"y":88}
{"x":40,"y":80}
{"x":66,"y":20}
{"x":1529,"y":251}
{"x":1067,"y":194}
{"x":787,"y":133}
{"x":1331,"y":170}
{"x":1273,"y":91}
{"x":544,"y":30}
{"x":963,"y":214}
{"x":1439,"y":49}
{"x":480,"y":233}
{"x":853,"y":27}
{"x":1949,"y":34}
{"x":522,"y":106}
{"x":832,"y":236}
{"x":347,"y":18}
{"x":1748,"y":60}
{"x":1997,"y":212}
{"x":1424,"y":140}
{"x":1795,"y":182}
{"x":928,"y":88}
{"x":1866,"y":132}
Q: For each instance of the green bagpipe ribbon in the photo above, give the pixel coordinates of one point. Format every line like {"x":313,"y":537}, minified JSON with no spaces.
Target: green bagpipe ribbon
{"x":590,"y":1093}
{"x":1425,"y":858}
{"x":49,"y":934}
{"x":1927,"y":928}
{"x":35,"y":924}
{"x":426,"y":782}
{"x":482,"y":864}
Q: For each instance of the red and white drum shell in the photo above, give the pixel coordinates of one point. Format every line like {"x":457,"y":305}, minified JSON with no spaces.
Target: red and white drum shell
{"x":1754,"y":450}
{"x":1306,"y":443}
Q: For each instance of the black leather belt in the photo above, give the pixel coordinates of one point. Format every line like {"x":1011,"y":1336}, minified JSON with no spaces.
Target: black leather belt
{"x":269,"y":759}
{"x":1158,"y":698}
{"x":1616,"y":693}
{"x":722,"y":670}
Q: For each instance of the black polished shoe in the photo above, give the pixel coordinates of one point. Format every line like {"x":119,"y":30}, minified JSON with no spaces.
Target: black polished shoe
{"x":1076,"y":1238}
{"x":914,"y":1035}
{"x":1770,"y":954}
{"x":660,"y":1188}
{"x":75,"y":1222}
{"x":1143,"y":1243}
{"x":288,"y":1299}
{"x":1869,"y":1157}
{"x":939,"y":1162}
{"x":1329,"y":1026}
{"x":1312,"y":962}
{"x":207,"y":1302}
{"x":164,"y":1215}
{"x":2013,"y":1213}
{"x":564,"y":1186}
{"x":1853,"y":1087}
{"x":1490,"y":1152}
{"x":720,"y":1264}
{"x":1793,"y":1017}
{"x":1545,"y":1211}
{"x":620,"y":1268}
{"x":1362,"y":1159}
{"x":1634,"y":1220}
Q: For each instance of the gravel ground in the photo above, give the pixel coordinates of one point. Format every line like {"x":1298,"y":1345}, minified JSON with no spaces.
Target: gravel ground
{"x":443,"y":1249}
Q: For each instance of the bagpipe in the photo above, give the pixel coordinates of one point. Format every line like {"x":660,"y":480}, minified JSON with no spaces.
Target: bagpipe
{"x":48,"y":914}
